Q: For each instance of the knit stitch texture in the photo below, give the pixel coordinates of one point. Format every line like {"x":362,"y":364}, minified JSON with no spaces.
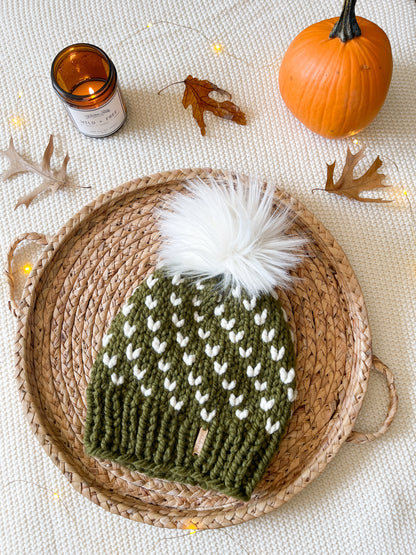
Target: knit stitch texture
{"x":178,"y":357}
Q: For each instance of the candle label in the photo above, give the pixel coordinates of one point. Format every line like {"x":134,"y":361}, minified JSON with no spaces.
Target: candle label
{"x":102,"y":121}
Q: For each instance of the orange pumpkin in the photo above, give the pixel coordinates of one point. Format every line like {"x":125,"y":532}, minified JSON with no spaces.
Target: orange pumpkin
{"x":335,"y":74}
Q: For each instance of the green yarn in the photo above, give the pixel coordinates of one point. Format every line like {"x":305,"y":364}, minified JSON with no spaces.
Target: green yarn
{"x":178,"y":357}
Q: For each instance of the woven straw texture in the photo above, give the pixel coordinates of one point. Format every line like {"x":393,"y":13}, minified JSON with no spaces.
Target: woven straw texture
{"x":363,"y":501}
{"x":78,"y":286}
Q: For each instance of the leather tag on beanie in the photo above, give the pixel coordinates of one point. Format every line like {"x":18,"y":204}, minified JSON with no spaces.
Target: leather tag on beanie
{"x":200,"y":440}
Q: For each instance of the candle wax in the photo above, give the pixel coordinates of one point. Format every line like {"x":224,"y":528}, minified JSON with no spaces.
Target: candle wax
{"x":88,"y":87}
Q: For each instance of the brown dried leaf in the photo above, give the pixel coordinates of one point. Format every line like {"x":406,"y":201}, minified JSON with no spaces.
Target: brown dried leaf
{"x":197,"y":95}
{"x":351,"y":188}
{"x":52,"y":180}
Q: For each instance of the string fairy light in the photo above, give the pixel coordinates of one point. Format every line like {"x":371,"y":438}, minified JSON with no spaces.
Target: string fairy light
{"x":216,"y":46}
{"x":404,"y":193}
{"x":357,"y":142}
{"x":191,"y":527}
{"x":18,"y":121}
{"x":52,"y":494}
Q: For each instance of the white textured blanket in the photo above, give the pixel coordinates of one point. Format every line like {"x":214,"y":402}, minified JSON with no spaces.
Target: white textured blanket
{"x":364,"y":501}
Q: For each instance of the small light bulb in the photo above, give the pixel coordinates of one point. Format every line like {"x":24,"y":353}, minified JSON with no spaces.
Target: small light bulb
{"x":356,"y":142}
{"x":56,"y":495}
{"x":20,"y":94}
{"x":217,"y":47}
{"x":192,"y":531}
{"x":17,"y":121}
{"x":404,"y":192}
{"x":27,"y":268}
{"x":149,"y":25}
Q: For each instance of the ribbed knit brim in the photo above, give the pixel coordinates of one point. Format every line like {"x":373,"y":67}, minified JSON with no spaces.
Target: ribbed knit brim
{"x":181,"y":357}
{"x":233,"y":460}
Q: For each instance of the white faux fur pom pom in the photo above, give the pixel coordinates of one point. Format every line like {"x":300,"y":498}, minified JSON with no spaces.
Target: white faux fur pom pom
{"x":229,"y":231}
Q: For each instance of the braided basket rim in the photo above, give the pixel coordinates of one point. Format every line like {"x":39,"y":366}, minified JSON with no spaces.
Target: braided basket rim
{"x":229,"y":513}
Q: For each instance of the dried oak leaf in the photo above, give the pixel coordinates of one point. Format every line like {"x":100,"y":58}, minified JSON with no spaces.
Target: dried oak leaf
{"x":351,"y":188}
{"x":52,"y":180}
{"x":197,"y":95}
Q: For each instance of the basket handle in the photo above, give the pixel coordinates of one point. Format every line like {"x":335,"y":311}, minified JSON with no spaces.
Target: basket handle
{"x":39,"y":238}
{"x":360,"y":437}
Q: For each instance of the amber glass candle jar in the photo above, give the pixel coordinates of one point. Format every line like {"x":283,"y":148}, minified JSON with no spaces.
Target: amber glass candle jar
{"x":85,"y":79}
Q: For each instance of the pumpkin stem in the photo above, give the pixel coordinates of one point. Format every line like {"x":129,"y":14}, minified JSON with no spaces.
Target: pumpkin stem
{"x":346,"y":28}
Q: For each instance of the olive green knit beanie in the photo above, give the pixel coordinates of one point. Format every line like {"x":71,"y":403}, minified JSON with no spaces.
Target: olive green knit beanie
{"x":195,"y":379}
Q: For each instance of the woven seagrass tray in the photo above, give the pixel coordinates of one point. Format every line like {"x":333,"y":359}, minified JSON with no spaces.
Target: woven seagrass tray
{"x":83,"y":276}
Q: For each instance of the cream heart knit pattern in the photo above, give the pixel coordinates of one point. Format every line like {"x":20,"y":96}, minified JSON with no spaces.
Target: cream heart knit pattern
{"x":153,"y":388}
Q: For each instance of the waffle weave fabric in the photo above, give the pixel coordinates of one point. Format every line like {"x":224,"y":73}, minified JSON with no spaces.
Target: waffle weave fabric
{"x":364,"y":500}
{"x":180,"y":357}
